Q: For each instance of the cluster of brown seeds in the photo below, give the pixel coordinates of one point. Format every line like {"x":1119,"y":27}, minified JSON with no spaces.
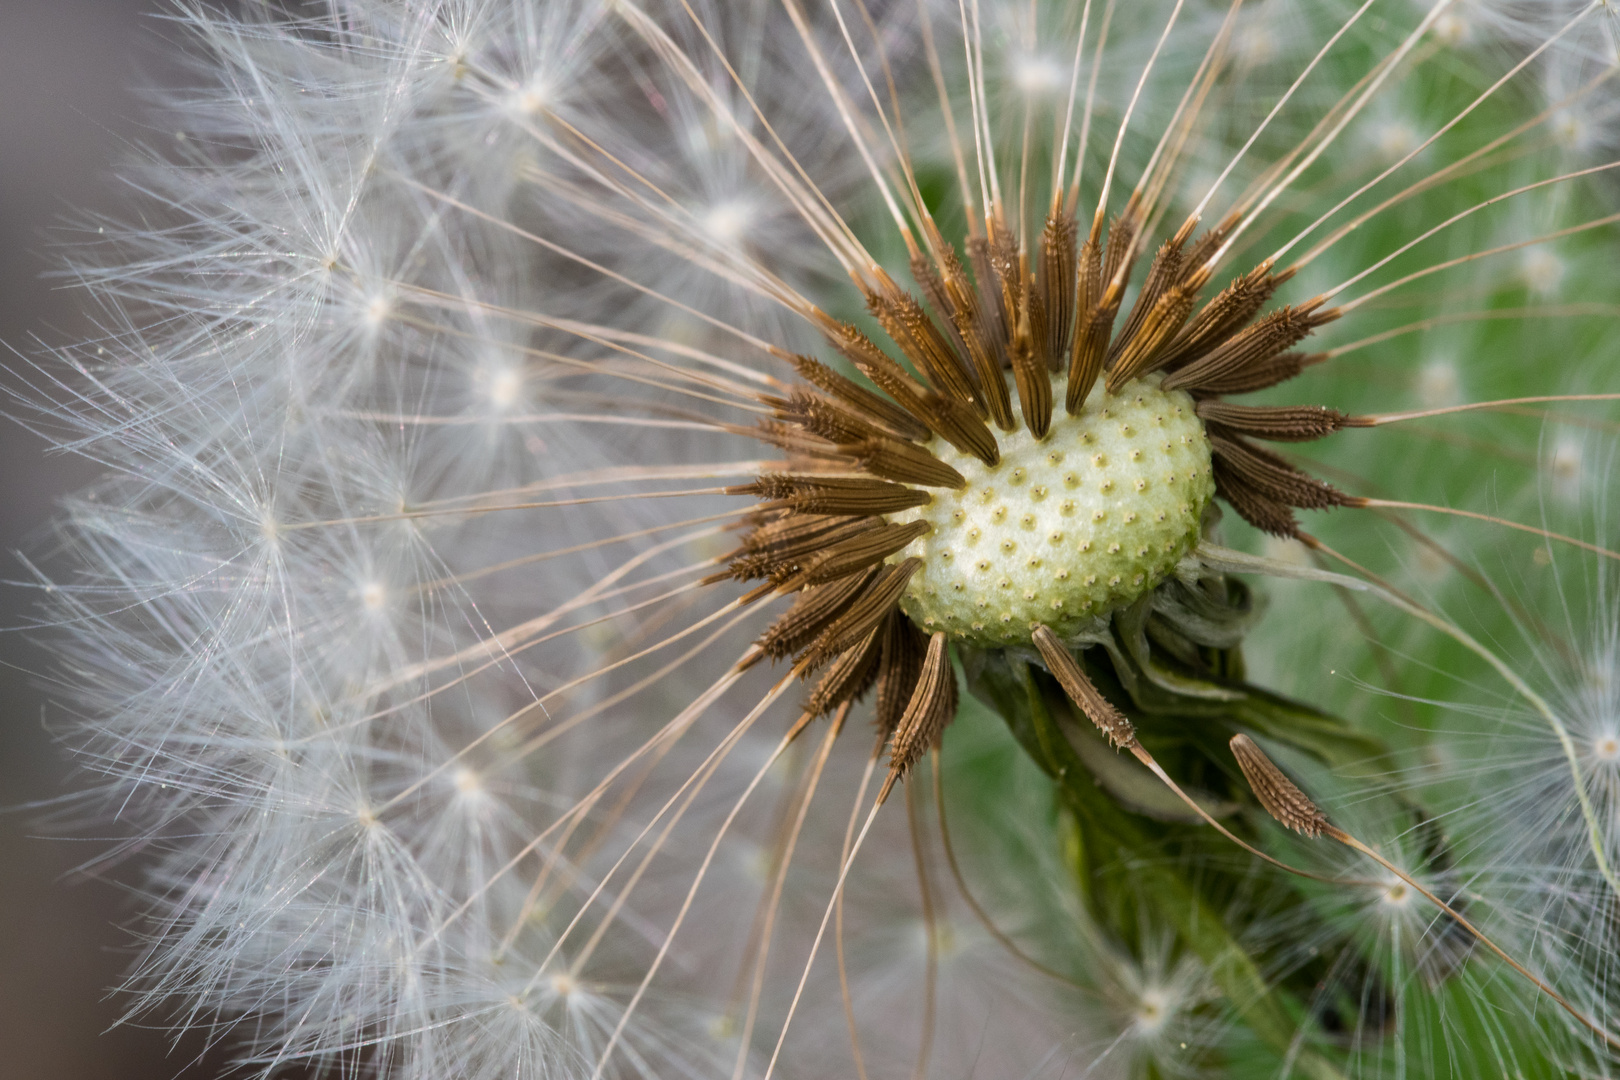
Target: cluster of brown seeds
{"x":822,"y":530}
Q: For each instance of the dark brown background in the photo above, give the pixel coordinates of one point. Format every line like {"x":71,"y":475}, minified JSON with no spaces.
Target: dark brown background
{"x":67,"y":114}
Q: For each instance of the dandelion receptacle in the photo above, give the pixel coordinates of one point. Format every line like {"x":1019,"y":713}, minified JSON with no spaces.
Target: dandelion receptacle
{"x":829,"y":537}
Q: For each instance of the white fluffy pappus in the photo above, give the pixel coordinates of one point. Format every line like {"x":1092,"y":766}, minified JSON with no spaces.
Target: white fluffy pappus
{"x":1530,"y":782}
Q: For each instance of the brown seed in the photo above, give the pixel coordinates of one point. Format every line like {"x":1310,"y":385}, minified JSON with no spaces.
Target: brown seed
{"x":799,"y":442}
{"x":1162,"y":277}
{"x":933,"y":286}
{"x":1143,"y":351}
{"x":904,"y":648}
{"x":829,"y":418}
{"x":1280,"y":330}
{"x":1089,"y":283}
{"x":1254,"y":506}
{"x":864,"y":549}
{"x":1039,"y":335}
{"x":1122,"y":234}
{"x":811,"y":613}
{"x":860,"y":399}
{"x":773,"y":533}
{"x":1273,"y":476}
{"x":955,"y":422}
{"x":909,"y":326}
{"x":1114,"y":725}
{"x":1267,"y":373}
{"x":1086,"y":361}
{"x":1056,"y":283}
{"x":850,"y":676}
{"x":988,"y":287}
{"x":1031,"y":376}
{"x":1278,"y":794}
{"x":904,"y":462}
{"x":1223,"y":316}
{"x":1206,"y":245}
{"x":780,"y":549}
{"x":1096,"y":321}
{"x":1007,"y":266}
{"x":1288,"y":423}
{"x":875,"y":600}
{"x":812,"y":494}
{"x":878,"y":366}
{"x":960,"y":426}
{"x":983,"y":349}
{"x":931,"y":708}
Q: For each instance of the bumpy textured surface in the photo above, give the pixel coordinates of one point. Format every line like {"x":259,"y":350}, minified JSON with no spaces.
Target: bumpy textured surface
{"x":1061,"y":530}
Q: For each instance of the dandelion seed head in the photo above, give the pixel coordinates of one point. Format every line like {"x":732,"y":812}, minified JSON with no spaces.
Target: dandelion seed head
{"x":1452,"y":29}
{"x":1159,"y":997}
{"x":505,"y":387}
{"x":1542,"y":270}
{"x":1563,"y":464}
{"x":1396,"y":894}
{"x":1394,"y":139}
{"x":1155,"y":1007}
{"x":531,"y":99}
{"x":729,"y":221}
{"x":1439,"y":383}
{"x":378,"y":310}
{"x":1038,"y":75}
{"x":1606,"y":746}
{"x":373,"y":595}
{"x":467,"y":782}
{"x":1256,"y":43}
